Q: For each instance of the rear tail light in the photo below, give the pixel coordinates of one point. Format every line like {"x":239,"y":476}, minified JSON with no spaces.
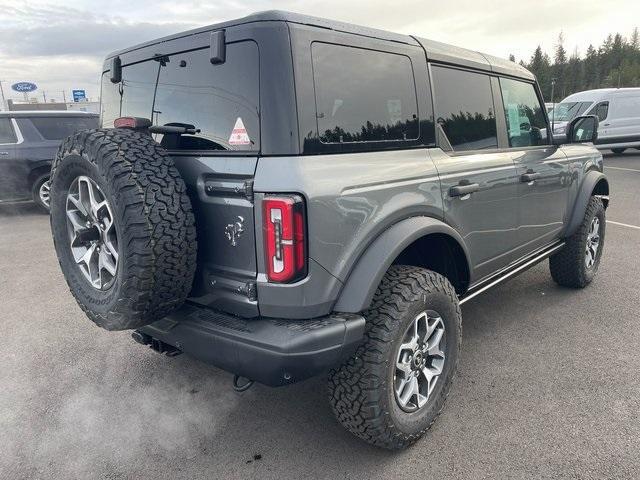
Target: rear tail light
{"x":284,"y":238}
{"x":134,"y":123}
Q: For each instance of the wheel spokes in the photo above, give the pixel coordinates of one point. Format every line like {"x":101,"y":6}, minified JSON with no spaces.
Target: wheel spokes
{"x":92,"y":232}
{"x":420,"y":361}
{"x":410,"y":388}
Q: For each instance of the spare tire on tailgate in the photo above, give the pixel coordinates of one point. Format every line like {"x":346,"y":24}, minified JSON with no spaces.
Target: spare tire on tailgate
{"x":122,"y":226}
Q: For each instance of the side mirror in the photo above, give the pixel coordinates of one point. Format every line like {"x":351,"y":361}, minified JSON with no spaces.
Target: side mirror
{"x":583,"y":129}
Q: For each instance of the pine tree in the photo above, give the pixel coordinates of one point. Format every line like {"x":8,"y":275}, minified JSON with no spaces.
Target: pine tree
{"x":559,"y":66}
{"x":616,"y":62}
{"x":591,"y":73}
{"x":540,"y":67}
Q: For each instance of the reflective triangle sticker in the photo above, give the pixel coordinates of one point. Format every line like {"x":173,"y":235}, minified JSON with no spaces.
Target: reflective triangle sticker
{"x":239,"y":135}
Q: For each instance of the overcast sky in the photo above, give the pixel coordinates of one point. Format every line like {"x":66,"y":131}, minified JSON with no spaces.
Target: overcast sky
{"x":60,"y":44}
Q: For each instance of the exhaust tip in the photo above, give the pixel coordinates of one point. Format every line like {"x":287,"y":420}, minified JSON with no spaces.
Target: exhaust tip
{"x":141,"y":338}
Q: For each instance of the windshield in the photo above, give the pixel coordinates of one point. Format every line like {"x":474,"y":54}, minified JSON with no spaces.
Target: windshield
{"x":565,"y":111}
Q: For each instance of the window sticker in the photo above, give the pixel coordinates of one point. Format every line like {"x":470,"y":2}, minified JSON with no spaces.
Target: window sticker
{"x":239,"y":135}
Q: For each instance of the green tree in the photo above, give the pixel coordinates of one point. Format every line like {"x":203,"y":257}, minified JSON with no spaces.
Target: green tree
{"x":634,"y":41}
{"x":616,"y":62}
{"x":559,"y":66}
{"x":541,"y":68}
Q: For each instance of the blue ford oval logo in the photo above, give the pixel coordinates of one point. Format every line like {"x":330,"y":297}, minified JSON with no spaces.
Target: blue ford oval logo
{"x":24,"y":87}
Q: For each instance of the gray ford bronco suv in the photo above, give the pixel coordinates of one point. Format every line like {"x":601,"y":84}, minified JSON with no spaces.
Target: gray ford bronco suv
{"x":282,"y":196}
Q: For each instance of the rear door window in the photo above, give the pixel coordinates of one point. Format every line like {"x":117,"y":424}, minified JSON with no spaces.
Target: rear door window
{"x":363,"y":95}
{"x":7,"y":135}
{"x":464,"y":108}
{"x":57,"y":128}
{"x":222,"y":101}
{"x":526,"y":123}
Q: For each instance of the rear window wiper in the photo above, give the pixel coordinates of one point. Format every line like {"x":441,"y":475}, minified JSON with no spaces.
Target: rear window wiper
{"x":174,"y":129}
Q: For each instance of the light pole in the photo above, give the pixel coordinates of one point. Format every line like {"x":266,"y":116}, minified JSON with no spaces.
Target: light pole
{"x":2,"y":92}
{"x":553,"y":105}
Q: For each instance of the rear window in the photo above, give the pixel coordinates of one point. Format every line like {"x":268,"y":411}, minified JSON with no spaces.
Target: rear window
{"x":363,"y":95}
{"x":57,"y":128}
{"x":185,"y":89}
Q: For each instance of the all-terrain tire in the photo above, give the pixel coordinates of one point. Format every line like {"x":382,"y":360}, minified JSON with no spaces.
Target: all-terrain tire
{"x":568,"y":267}
{"x":361,"y":390}
{"x":154,"y":222}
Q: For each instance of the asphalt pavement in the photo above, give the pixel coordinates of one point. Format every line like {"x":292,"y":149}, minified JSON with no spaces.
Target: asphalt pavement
{"x":548,"y":384}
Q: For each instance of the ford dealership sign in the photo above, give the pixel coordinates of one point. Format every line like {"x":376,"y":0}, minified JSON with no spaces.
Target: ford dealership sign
{"x":24,"y":87}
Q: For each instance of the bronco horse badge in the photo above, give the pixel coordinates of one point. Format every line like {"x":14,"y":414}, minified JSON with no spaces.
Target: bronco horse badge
{"x":234,"y":231}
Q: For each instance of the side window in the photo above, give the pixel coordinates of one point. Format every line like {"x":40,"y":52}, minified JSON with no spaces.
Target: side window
{"x":601,"y":111}
{"x":7,"y":135}
{"x":109,"y":101}
{"x":526,"y":123}
{"x":222,"y":101}
{"x":464,"y":108}
{"x":363,"y":96}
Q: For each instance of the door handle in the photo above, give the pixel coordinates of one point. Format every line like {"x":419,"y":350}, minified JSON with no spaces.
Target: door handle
{"x":529,"y":177}
{"x":464,"y":189}
{"x":606,"y":124}
{"x":4,"y":153}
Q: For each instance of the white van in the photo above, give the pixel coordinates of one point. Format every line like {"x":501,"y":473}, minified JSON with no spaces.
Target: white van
{"x":617,"y":108}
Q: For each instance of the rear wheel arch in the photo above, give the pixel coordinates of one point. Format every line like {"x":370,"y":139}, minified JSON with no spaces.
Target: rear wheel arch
{"x":37,"y":172}
{"x":417,"y":241}
{"x":601,"y":189}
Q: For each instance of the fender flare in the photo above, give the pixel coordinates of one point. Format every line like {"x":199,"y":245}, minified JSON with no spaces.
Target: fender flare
{"x":582,"y":200}
{"x":366,"y":275}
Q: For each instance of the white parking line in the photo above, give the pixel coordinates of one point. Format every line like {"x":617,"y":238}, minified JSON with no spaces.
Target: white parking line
{"x":625,"y":169}
{"x":624,"y":224}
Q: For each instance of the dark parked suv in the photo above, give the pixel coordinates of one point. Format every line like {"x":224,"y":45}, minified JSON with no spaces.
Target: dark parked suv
{"x":28,"y":142}
{"x":283,"y":195}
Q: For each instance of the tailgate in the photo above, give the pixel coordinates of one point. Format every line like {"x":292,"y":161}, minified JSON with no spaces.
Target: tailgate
{"x":221,"y":192}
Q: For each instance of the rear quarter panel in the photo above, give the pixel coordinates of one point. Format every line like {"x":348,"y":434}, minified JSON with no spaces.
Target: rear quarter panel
{"x":352,"y":198}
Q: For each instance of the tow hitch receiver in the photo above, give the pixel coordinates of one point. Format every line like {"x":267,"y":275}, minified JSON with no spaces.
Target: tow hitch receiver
{"x":155,"y":344}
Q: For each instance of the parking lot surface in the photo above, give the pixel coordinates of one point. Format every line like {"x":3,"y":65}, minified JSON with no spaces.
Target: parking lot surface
{"x":548,"y":384}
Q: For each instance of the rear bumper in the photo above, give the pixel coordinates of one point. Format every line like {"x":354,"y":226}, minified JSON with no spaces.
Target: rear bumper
{"x":270,"y":351}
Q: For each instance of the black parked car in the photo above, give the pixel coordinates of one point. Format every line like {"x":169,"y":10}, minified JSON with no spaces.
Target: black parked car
{"x":28,"y":142}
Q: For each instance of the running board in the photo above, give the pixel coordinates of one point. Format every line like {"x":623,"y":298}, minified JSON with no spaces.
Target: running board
{"x":511,"y":271}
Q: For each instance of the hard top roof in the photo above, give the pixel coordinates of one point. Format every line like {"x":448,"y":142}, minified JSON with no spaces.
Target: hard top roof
{"x":436,"y":51}
{"x":46,"y":113}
